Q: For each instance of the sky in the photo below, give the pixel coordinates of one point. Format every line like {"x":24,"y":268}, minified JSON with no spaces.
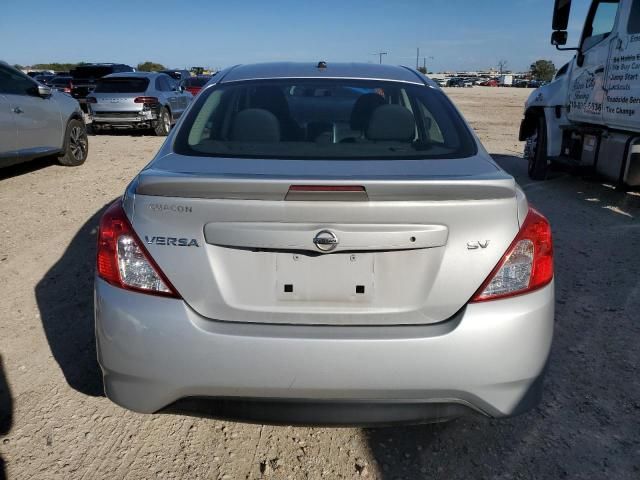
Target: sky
{"x":451,"y":34}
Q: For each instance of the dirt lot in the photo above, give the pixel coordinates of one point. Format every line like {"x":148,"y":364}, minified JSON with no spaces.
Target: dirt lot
{"x":61,"y":426}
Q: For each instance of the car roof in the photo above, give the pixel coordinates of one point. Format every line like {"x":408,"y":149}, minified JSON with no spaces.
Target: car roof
{"x":366,"y":71}
{"x":135,"y":74}
{"x":106,"y":64}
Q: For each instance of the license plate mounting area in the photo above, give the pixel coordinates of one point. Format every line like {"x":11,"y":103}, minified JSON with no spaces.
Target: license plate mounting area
{"x":337,"y":277}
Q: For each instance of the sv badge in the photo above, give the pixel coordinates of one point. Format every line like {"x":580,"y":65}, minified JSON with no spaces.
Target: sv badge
{"x":476,"y":244}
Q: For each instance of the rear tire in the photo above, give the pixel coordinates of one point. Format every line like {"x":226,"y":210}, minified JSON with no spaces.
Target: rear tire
{"x":163,"y":124}
{"x":76,"y":144}
{"x":536,"y":149}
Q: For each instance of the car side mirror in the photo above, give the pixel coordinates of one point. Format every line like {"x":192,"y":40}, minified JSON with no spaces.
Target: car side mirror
{"x":558,"y":38}
{"x":44,"y":91}
{"x":561,"y":12}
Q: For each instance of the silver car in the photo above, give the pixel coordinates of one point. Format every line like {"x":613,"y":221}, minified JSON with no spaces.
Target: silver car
{"x":137,"y":100}
{"x":324,"y":244}
{"x":38,"y":121}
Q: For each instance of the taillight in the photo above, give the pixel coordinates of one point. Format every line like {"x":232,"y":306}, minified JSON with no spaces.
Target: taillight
{"x":146,"y":100}
{"x":92,"y":100}
{"x":527,"y":264}
{"x":122,"y":259}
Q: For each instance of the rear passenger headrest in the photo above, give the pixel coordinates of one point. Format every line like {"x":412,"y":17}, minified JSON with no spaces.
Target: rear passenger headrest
{"x":361,"y":113}
{"x":391,"y":122}
{"x":255,"y":125}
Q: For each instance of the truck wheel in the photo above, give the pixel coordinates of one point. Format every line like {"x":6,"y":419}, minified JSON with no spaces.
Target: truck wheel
{"x":76,"y":144}
{"x":536,"y":151}
{"x":163,"y":124}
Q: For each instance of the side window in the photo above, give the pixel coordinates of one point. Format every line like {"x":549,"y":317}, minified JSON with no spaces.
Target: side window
{"x":602,"y":17}
{"x":163,"y":84}
{"x":634,"y":18}
{"x":15,"y":83}
{"x":433,"y":129}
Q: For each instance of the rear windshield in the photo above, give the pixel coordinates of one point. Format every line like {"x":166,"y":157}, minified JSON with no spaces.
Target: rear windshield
{"x":324,"y":119}
{"x":122,"y":85}
{"x":196,"y":81}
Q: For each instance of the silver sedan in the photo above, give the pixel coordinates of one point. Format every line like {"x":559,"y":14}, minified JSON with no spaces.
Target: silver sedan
{"x":324,"y":244}
{"x":137,"y":100}
{"x":38,"y":121}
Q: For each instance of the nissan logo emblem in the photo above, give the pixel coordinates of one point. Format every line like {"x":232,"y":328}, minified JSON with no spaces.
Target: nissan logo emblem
{"x":325,"y":240}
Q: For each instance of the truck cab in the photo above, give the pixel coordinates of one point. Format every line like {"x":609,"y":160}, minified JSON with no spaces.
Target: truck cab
{"x":589,"y":115}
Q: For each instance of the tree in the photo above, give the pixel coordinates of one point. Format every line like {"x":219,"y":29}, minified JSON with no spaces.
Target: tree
{"x":17,"y":66}
{"x":543,"y":70}
{"x":150,"y":67}
{"x":422,"y":70}
{"x":502,"y":65}
{"x":56,"y":67}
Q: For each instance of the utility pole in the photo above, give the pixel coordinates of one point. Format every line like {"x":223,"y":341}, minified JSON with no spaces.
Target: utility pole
{"x":380,"y":55}
{"x":424,"y":63}
{"x":417,"y":57}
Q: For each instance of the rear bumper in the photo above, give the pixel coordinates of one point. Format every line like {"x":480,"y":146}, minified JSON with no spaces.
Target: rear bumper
{"x":489,"y":358}
{"x":314,"y":413}
{"x":142,"y":117}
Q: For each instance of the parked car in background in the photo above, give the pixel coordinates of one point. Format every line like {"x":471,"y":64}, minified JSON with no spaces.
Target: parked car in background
{"x":177,"y":74}
{"x":62,"y":83}
{"x":324,"y":245}
{"x":86,"y":76}
{"x":490,"y":83}
{"x":193,"y":85}
{"x":137,"y":100}
{"x":34,"y":73}
{"x":38,"y":121}
{"x":44,"y":78}
{"x":459,"y":82}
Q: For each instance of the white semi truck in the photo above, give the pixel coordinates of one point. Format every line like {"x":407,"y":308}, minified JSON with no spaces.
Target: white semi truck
{"x":505,"y":80}
{"x":589,"y":115}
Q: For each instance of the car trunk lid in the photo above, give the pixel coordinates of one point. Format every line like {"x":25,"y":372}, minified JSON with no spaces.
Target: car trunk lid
{"x":238,"y":247}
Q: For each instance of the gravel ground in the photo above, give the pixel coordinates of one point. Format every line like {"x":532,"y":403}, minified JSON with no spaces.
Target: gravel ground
{"x":56,"y":423}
